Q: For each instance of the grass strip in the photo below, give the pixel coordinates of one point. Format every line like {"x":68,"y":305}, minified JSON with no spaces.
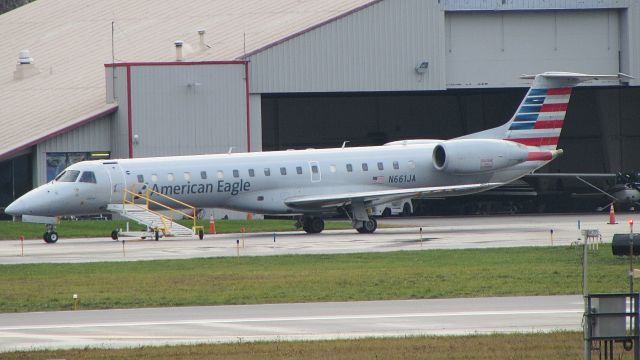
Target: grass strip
{"x":102,"y":228}
{"x":557,"y":346}
{"x":309,"y":278}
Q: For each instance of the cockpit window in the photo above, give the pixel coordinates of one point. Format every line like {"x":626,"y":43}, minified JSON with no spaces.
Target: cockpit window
{"x":68,"y":176}
{"x":88,"y":177}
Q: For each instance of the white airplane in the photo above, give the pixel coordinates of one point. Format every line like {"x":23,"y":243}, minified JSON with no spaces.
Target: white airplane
{"x":313,"y":183}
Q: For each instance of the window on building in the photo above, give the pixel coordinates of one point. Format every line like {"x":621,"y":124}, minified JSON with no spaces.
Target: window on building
{"x":380,"y":166}
{"x":236,"y":173}
{"x":203,"y":175}
{"x":267,"y":172}
{"x":396,"y":166}
{"x":89,"y":177}
{"x":283,"y":171}
{"x":140,"y":178}
{"x":299,"y":170}
{"x":349,"y":168}
{"x":365,"y":167}
{"x":252,"y":173}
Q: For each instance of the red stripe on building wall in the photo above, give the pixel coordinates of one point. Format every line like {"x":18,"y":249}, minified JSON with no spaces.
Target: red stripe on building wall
{"x":559,"y":91}
{"x":539,"y":141}
{"x":246,"y":86}
{"x":553,"y":107}
{"x":129,"y":112}
{"x":551,"y":124}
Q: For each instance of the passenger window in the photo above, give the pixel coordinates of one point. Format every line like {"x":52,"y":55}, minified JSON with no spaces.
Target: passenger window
{"x":220,"y":174}
{"x":236,"y":173}
{"x":68,"y":176}
{"x":396,"y":166}
{"x":187,"y":176}
{"x":314,"y":169}
{"x":299,"y":170}
{"x":332,"y":168}
{"x":365,"y":167}
{"x":203,"y":175}
{"x":380,"y":166}
{"x":140,"y":178}
{"x":252,"y":173}
{"x":283,"y":171}
{"x":349,"y":168}
{"x":89,"y":177}
{"x":170,"y":177}
{"x":412,"y":164}
{"x":267,"y":172}
{"x":260,"y":198}
{"x":154,"y":177}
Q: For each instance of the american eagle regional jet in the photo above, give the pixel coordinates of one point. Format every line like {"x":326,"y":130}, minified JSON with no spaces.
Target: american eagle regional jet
{"x":315,"y":182}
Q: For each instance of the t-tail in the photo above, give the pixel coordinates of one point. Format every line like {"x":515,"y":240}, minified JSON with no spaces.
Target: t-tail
{"x":539,"y":119}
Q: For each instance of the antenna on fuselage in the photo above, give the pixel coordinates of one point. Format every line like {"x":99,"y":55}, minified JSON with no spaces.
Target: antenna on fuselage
{"x":344,"y":144}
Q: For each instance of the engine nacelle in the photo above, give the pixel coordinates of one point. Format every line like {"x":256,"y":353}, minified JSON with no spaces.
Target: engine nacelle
{"x":474,"y":156}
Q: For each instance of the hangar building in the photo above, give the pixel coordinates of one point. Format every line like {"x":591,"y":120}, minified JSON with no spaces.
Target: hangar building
{"x":117,"y":78}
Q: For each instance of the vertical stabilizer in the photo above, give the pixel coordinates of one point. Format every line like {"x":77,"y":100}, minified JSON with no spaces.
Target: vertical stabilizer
{"x":539,"y":119}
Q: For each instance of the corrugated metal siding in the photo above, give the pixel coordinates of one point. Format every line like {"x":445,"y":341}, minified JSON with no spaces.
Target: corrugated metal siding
{"x":93,"y":136}
{"x":630,"y":43}
{"x":374,"y":49}
{"x":508,"y":44}
{"x":255,"y":102}
{"x":497,"y":5}
{"x":188,"y":109}
{"x":118,"y":131}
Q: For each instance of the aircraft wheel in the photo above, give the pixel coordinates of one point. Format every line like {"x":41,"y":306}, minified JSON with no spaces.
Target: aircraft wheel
{"x":406,"y":210}
{"x":316,"y":226}
{"x":114,"y":234}
{"x":53,"y":237}
{"x":369,"y":226}
{"x":200,"y":234}
{"x":45,"y":237}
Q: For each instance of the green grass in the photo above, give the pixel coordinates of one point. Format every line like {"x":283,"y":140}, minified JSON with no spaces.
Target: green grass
{"x":559,"y":346}
{"x":101,"y":228}
{"x":309,"y":278}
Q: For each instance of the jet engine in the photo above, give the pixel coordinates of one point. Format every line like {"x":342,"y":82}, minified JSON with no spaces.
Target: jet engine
{"x":475,"y":156}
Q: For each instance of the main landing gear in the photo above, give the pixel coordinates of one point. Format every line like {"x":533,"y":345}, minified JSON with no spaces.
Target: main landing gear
{"x":311,"y":224}
{"x":50,"y":236}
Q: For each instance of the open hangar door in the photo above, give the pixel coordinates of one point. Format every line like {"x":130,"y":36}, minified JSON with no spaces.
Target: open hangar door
{"x":601,"y":133}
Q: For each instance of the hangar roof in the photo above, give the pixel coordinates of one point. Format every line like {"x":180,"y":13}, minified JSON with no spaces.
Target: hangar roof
{"x":71,"y":40}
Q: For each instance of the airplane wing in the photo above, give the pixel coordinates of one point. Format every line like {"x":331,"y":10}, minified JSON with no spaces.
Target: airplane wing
{"x":380,"y":196}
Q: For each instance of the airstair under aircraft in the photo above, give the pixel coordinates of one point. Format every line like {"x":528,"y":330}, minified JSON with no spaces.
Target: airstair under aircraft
{"x":316,"y":182}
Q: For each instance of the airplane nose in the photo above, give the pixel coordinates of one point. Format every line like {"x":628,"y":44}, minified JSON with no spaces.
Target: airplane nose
{"x":15,"y":208}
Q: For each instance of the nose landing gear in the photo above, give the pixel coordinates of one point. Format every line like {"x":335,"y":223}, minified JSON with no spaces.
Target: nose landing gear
{"x":50,"y":236}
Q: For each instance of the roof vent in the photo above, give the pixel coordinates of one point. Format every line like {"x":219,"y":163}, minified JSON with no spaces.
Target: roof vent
{"x":203,"y":46}
{"x":25,"y":67}
{"x":179,"y":44}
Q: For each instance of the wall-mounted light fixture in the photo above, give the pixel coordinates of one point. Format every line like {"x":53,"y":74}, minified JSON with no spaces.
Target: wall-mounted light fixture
{"x":422,"y":67}
{"x":136,"y":139}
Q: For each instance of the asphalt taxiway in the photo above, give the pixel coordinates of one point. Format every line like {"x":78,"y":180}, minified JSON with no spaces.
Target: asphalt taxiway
{"x":437,"y":233}
{"x":306,"y":321}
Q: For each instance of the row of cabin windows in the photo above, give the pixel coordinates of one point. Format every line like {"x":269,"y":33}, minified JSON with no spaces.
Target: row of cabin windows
{"x":283,"y":171}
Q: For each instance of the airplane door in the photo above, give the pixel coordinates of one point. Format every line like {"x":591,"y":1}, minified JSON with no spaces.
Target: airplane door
{"x":118,"y":182}
{"x":314,"y":169}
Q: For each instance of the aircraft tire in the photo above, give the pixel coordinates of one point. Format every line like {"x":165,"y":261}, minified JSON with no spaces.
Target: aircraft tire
{"x":114,"y":234}
{"x":50,"y":237}
{"x":369,"y":226}
{"x":44,"y":237}
{"x":316,"y":225}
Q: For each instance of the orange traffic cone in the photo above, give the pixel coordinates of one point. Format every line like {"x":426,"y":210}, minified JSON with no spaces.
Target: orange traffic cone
{"x":212,"y":225}
{"x":612,"y":215}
